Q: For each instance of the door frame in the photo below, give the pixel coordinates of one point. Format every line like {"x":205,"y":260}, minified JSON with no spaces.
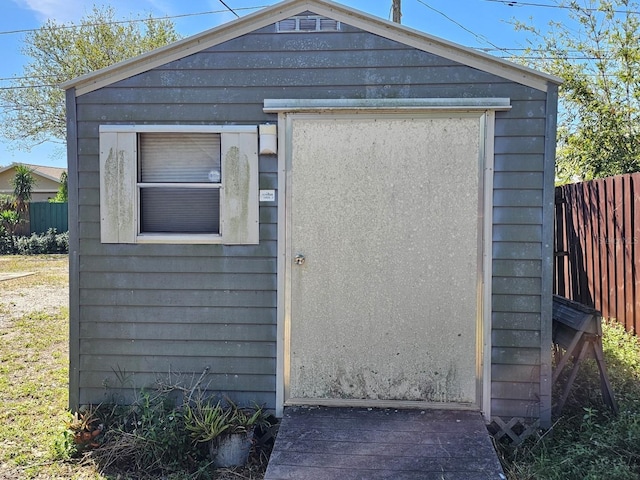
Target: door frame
{"x":484,"y":109}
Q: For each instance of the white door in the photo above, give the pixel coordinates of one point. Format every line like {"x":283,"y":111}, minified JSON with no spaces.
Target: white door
{"x":384,"y":248}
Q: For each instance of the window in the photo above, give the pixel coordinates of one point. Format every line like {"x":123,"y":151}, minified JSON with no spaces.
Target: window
{"x":161,"y":184}
{"x":179,"y":181}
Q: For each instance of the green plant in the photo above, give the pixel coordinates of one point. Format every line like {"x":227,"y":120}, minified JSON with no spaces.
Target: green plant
{"x":6,"y":201}
{"x":243,"y":420}
{"x":35,"y":244}
{"x":595,"y":51}
{"x":64,"y":446}
{"x":10,"y":220}
{"x":79,"y":434}
{"x":57,"y":52}
{"x":206,"y":422}
{"x":144,"y":439}
{"x":63,"y":192}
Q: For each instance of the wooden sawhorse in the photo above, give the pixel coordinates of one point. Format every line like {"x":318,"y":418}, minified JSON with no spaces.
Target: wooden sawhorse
{"x":578,"y":330}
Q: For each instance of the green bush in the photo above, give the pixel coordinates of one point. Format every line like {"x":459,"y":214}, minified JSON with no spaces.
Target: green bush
{"x":35,"y":244}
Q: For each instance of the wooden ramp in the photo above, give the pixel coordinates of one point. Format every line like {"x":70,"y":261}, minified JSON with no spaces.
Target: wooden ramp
{"x":322,"y":443}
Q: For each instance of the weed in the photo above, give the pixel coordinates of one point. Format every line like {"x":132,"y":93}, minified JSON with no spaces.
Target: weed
{"x":147,"y":436}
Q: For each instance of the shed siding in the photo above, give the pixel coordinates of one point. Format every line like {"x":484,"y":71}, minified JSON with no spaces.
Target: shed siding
{"x":148,"y":309}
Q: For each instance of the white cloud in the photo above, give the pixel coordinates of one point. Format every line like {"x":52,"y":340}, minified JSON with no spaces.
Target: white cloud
{"x":59,"y":10}
{"x":63,"y":11}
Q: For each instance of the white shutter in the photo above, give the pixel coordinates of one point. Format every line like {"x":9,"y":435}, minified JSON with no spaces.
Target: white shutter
{"x":118,"y":213}
{"x":240,"y":222}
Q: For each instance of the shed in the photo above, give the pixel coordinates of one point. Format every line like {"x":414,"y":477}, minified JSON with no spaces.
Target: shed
{"x":316,"y":206}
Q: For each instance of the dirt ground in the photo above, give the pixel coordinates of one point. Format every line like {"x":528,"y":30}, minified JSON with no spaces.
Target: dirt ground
{"x":32,"y":284}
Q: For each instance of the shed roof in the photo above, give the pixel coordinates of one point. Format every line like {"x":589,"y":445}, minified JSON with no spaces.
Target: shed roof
{"x":288,"y":8}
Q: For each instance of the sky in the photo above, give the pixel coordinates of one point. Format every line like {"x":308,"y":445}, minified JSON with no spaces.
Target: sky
{"x":483,"y":24}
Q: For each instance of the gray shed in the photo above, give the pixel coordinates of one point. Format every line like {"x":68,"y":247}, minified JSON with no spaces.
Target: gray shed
{"x":318,"y":207}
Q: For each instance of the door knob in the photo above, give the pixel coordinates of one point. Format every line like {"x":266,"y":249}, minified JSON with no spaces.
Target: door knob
{"x":299,"y":259}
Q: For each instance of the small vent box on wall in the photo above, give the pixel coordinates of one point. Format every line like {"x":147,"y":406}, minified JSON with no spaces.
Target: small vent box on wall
{"x":307,"y":23}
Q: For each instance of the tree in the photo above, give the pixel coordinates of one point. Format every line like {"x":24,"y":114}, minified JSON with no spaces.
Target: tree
{"x":597,"y":55}
{"x":22,"y":183}
{"x":9,"y":221}
{"x":34,"y":107}
{"x":63,"y":192}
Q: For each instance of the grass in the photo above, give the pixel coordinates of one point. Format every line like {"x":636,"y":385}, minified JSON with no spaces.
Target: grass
{"x":588,"y":442}
{"x":34,"y":379}
{"x":51,"y":270}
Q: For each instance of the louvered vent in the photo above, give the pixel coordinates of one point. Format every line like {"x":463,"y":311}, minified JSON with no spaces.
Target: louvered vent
{"x":308,"y":23}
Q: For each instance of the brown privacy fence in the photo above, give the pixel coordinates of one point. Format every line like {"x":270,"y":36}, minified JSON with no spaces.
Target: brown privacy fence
{"x":597,"y":259}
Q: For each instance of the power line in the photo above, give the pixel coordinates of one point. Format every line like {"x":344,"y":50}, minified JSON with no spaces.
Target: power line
{"x":229,"y":8}
{"x":512,"y":3}
{"x":477,"y":35}
{"x":20,"y":87}
{"x":120,"y":22}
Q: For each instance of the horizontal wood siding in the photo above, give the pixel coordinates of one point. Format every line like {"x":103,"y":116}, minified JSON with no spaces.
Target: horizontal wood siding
{"x":517,"y":268}
{"x":150,"y":309}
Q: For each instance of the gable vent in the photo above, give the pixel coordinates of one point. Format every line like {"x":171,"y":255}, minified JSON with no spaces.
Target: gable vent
{"x":308,"y":23}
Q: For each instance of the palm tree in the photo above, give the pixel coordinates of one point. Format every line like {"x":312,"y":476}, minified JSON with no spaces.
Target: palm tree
{"x":23,"y":183}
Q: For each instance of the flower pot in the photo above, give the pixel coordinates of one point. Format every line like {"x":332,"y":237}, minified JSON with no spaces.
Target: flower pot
{"x":231,"y":450}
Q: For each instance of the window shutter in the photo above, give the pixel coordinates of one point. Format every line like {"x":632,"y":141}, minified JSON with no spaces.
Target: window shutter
{"x":118,"y":218}
{"x":240,"y":223}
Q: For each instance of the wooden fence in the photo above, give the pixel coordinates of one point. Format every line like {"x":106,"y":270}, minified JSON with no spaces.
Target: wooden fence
{"x":597,"y":260}
{"x":46,"y":215}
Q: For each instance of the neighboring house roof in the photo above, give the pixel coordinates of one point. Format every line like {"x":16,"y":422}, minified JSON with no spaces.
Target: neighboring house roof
{"x":52,"y":173}
{"x":43,"y":172}
{"x":289,"y":8}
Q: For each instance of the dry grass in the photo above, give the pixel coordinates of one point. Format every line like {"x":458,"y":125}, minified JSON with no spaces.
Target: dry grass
{"x":49,"y":270}
{"x":34,"y":369}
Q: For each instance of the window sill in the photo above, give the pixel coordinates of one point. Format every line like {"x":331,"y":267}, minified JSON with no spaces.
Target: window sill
{"x":180,"y":238}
